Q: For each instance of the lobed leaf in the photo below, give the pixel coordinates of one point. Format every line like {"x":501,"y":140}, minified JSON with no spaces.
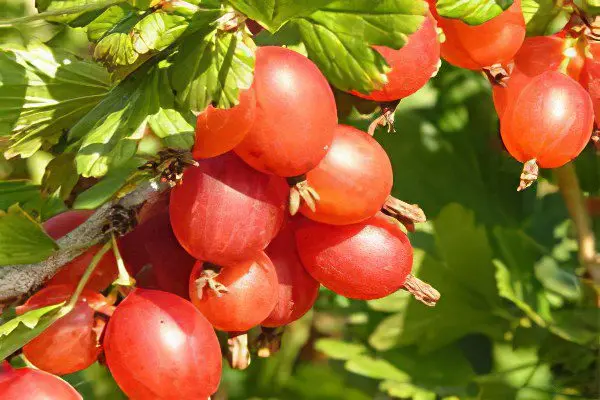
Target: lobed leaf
{"x":545,"y":17}
{"x":338,"y":38}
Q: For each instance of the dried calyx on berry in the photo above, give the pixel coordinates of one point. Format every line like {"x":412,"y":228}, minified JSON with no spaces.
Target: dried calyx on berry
{"x":300,"y":190}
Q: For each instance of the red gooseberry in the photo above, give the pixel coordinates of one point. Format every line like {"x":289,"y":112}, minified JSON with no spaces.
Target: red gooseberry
{"x":245,"y":294}
{"x":225,"y":211}
{"x":106,"y":271}
{"x":353,"y":180}
{"x":548,"y":124}
{"x":297,"y":290}
{"x":538,"y":54}
{"x":33,"y":384}
{"x":153,"y":245}
{"x":590,"y":77}
{"x":478,"y":46}
{"x":158,"y":346}
{"x":220,"y":130}
{"x":411,"y":66}
{"x":368,"y":260}
{"x":71,"y":343}
{"x":295,"y":114}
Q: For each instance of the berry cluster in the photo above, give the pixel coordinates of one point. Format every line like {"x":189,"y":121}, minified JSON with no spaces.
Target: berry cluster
{"x":282,"y":199}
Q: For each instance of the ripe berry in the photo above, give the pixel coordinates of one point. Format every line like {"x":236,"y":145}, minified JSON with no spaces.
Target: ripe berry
{"x":478,"y":46}
{"x":295,"y":114}
{"x":106,"y":270}
{"x":236,"y":297}
{"x":225,"y":211}
{"x":368,"y":260}
{"x":590,"y":77}
{"x":537,"y":55}
{"x":71,"y":343}
{"x":548,"y":124}
{"x":297,"y":290}
{"x":153,"y":245}
{"x":353,"y":180}
{"x":219,"y":130}
{"x":158,"y":346}
{"x":412,"y":65}
{"x":33,"y":384}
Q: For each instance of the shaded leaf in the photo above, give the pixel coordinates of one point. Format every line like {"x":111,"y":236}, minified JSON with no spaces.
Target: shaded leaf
{"x":23,"y":240}
{"x":545,"y":17}
{"x":338,"y":349}
{"x":17,"y":191}
{"x":60,"y":175}
{"x":558,"y":280}
{"x":69,"y":10}
{"x":107,"y":21}
{"x":339,"y":36}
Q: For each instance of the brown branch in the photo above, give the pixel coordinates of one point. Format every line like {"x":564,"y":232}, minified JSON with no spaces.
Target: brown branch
{"x":17,"y":281}
{"x":568,"y":184}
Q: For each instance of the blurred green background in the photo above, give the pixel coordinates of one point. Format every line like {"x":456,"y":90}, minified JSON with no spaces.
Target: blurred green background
{"x":517,"y":318}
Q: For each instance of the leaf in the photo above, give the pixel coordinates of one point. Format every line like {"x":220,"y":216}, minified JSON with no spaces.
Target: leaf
{"x":375,"y":368}
{"x":43,"y":92}
{"x":211,"y":69}
{"x":17,"y":191}
{"x":339,"y":36}
{"x":109,"y":134}
{"x":20,"y":330}
{"x":338,"y":349}
{"x":107,"y":187}
{"x":515,"y":274}
{"x":23,"y":240}
{"x":560,"y":281}
{"x":116,"y":49}
{"x":60,"y":175}
{"x":473,"y":12}
{"x":157,"y":31}
{"x":69,"y":10}
{"x":545,"y":17}
{"x":581,"y":326}
{"x":465,"y":279}
{"x":273,"y":14}
{"x":108,"y":21}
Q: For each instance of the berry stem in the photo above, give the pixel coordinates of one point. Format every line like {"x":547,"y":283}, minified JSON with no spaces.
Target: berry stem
{"x":421,"y":291}
{"x":85,"y":277}
{"x":124,"y":278}
{"x":569,"y":187}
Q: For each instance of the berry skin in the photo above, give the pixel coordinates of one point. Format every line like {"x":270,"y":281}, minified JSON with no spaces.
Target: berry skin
{"x":474,"y":47}
{"x":550,"y":121}
{"x":537,"y":55}
{"x":297,"y":290}
{"x":250,"y":297}
{"x":106,"y":271}
{"x":295,"y":114}
{"x":219,"y":130}
{"x":70,"y":344}
{"x":353,"y":180}
{"x":364,"y":261}
{"x":153,"y":245}
{"x":158,"y":346}
{"x":225,"y":211}
{"x":412,"y":65}
{"x":33,"y":384}
{"x":590,"y":77}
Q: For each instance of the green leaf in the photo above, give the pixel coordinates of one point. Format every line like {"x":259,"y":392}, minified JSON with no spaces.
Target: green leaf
{"x":465,"y":279}
{"x":559,"y":280}
{"x":211,"y":69}
{"x":43,"y":91}
{"x":157,"y":31}
{"x":545,"y":17}
{"x":69,"y":10}
{"x":18,"y":331}
{"x":515,"y":274}
{"x":107,"y":187}
{"x":375,"y":368}
{"x":273,"y":14}
{"x":23,"y":240}
{"x":581,"y":326}
{"x":60,"y":175}
{"x":338,"y":349}
{"x":473,"y":12}
{"x":109,"y":134}
{"x":116,"y":49}
{"x":108,"y":21}
{"x":339,"y":36}
{"x":13,"y":192}
{"x":590,"y":7}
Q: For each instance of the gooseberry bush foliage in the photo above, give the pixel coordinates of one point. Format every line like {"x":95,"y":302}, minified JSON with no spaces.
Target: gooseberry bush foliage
{"x":218,"y":199}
